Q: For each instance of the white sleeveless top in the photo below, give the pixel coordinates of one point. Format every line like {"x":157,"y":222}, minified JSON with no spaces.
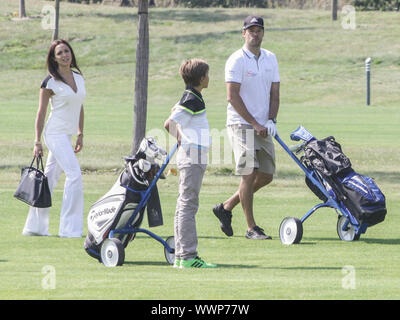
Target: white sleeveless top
{"x":66,"y":105}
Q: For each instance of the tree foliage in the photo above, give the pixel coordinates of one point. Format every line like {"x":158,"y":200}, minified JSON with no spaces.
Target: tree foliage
{"x":377,"y":4}
{"x":359,"y":4}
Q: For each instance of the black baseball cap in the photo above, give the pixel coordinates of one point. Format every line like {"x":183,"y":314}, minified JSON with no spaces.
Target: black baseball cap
{"x":253,"y":21}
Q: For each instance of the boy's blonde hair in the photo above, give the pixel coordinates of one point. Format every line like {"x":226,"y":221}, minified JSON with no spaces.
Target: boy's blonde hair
{"x":192,"y":71}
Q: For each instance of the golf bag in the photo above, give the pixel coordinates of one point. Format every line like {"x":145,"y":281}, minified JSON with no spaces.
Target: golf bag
{"x":359,"y":193}
{"x":114,"y":210}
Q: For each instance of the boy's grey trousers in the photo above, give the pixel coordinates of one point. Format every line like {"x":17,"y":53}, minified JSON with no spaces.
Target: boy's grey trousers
{"x":192,"y":163}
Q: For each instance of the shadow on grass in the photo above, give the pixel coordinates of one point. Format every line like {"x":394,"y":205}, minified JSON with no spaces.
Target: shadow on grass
{"x":395,"y":241}
{"x":177,"y":15}
{"x":218,"y":237}
{"x":319,"y":239}
{"x":161,"y":264}
{"x":289,"y":29}
{"x":236,"y":266}
{"x":381,"y":241}
{"x":145,"y":236}
{"x":305,"y":268}
{"x":200,"y":37}
{"x":147,"y":263}
{"x":209,"y":36}
{"x":306,"y":243}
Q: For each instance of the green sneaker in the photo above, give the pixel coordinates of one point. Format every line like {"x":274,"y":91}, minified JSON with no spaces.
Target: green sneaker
{"x":196,"y":263}
{"x":177,"y":263}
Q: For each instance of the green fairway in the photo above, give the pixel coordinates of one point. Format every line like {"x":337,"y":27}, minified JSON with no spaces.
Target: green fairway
{"x":322,"y":88}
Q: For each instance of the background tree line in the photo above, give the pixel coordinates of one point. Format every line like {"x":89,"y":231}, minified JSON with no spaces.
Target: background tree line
{"x":299,"y":4}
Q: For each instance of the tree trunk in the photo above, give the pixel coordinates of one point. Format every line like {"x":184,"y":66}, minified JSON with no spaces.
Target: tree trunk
{"x":141,"y":77}
{"x":22,"y":13}
{"x":334,"y":9}
{"x":55,"y":32}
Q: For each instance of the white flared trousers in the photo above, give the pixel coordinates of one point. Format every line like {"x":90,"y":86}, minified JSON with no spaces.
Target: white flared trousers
{"x":61,"y":158}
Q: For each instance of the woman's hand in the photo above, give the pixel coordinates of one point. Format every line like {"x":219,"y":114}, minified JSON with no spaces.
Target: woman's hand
{"x":37,"y":150}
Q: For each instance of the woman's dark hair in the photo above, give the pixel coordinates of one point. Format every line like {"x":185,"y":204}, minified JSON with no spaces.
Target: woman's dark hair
{"x":52,"y":65}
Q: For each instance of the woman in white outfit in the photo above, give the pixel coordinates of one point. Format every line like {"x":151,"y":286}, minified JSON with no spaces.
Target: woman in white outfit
{"x":65,"y":89}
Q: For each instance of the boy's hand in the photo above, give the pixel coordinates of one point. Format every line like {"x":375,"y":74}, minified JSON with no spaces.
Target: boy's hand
{"x":79,"y":143}
{"x":170,"y":126}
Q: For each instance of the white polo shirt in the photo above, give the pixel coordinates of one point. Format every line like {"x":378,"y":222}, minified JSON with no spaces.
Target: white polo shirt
{"x":255,"y":76}
{"x":65,"y":105}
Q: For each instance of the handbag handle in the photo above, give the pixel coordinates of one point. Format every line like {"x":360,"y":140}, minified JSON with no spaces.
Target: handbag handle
{"x":37,"y":162}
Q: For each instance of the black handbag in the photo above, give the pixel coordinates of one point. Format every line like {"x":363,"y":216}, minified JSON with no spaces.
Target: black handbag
{"x":33,"y":187}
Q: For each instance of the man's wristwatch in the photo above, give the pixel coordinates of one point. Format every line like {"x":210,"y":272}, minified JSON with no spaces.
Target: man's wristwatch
{"x":273,"y":120}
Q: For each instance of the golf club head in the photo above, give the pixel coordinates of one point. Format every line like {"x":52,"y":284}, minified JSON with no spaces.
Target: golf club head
{"x":149,"y":147}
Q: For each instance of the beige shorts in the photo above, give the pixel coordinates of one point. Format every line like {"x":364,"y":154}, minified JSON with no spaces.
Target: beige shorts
{"x":250,"y":150}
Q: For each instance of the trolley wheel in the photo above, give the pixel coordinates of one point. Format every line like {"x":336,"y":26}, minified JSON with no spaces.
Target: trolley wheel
{"x":291,"y":230}
{"x":346,"y":235}
{"x":112,"y":252}
{"x":170,"y":257}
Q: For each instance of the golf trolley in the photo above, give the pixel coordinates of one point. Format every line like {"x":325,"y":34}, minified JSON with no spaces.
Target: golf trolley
{"x":115,"y":219}
{"x":330,"y":190}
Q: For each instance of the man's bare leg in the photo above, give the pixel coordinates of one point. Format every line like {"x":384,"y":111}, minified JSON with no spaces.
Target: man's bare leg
{"x":246,"y":192}
{"x":260,"y":180}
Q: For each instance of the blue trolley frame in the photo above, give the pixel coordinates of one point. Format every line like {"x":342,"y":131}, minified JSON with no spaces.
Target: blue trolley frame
{"x":330,"y":202}
{"x":145,"y":195}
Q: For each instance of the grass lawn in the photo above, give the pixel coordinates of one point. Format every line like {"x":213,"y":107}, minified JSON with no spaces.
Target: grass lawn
{"x":322,"y":88}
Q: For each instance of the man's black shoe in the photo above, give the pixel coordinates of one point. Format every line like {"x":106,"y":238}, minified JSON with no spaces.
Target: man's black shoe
{"x":257,"y":234}
{"x":225,"y":217}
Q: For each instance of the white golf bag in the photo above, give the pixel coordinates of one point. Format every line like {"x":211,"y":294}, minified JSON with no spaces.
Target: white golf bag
{"x":116,"y":208}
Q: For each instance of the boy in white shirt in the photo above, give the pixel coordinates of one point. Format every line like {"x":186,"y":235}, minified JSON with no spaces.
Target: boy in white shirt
{"x":188,"y":123}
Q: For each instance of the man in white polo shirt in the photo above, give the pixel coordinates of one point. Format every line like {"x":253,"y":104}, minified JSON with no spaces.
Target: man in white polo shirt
{"x":252,"y":81}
